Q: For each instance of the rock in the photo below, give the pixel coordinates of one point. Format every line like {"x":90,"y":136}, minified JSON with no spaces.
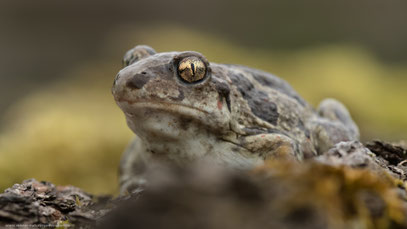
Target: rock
{"x":394,"y":154}
{"x":43,"y":204}
{"x":350,"y":186}
{"x":355,"y":155}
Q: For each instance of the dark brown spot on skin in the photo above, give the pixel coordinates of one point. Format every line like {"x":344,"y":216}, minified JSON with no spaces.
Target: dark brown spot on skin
{"x":258,"y":100}
{"x":278,"y":84}
{"x":137,"y":81}
{"x":224,"y":91}
{"x":273,"y":82}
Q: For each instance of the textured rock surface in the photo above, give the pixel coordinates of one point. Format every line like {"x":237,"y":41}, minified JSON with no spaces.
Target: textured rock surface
{"x":350,"y":186}
{"x":355,"y":155}
{"x":395,"y":156}
{"x":42,"y":204}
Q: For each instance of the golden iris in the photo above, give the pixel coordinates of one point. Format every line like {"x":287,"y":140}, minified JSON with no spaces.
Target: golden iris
{"x":191,"y":69}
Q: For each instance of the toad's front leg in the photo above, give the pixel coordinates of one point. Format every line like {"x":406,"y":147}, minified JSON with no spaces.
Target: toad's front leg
{"x":132,"y":167}
{"x":270,"y":146}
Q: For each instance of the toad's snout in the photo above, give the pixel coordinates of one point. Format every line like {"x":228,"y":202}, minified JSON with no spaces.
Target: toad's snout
{"x":128,"y":80}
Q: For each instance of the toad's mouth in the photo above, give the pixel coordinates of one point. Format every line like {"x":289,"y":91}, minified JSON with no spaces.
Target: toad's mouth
{"x":176,"y":108}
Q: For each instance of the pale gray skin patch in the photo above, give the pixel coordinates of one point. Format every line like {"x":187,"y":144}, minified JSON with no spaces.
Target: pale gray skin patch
{"x":235,"y":116}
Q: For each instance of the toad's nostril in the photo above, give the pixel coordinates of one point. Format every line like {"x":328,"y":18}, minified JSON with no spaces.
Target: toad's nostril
{"x":137,"y":81}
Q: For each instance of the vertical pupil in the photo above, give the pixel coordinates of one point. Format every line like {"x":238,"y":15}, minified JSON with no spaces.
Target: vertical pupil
{"x":193,"y":68}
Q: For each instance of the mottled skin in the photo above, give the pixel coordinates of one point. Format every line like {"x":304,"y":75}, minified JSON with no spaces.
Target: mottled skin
{"x":235,"y":116}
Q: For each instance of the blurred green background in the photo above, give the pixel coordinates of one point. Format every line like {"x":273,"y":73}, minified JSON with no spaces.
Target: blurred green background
{"x":58,"y":60}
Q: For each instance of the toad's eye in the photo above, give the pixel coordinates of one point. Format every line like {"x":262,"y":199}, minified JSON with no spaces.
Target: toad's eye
{"x":192,"y":69}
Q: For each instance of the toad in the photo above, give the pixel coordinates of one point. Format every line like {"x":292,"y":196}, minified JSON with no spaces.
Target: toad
{"x":183,"y":108}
